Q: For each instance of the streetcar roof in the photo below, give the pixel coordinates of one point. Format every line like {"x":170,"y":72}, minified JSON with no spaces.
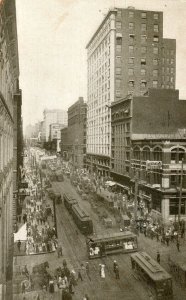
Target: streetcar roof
{"x":150,"y":266}
{"x":112,"y":236}
{"x":83,"y":214}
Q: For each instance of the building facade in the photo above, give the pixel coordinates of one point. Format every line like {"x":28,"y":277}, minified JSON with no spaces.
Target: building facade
{"x":150,"y":144}
{"x":52,"y":116}
{"x":125,"y":56}
{"x":9,"y":73}
{"x":77,"y":118}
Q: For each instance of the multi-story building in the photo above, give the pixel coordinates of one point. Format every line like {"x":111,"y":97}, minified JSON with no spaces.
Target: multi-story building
{"x":9,"y":74}
{"x":52,"y":116}
{"x":150,"y":143}
{"x":126,"y":55}
{"x":55,"y":131}
{"x":18,"y":153}
{"x":64,"y":143}
{"x":73,"y":137}
{"x":77,"y":117}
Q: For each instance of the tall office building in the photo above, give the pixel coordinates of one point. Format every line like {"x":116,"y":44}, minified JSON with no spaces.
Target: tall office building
{"x":52,"y":116}
{"x":126,"y":55}
{"x":9,"y":91}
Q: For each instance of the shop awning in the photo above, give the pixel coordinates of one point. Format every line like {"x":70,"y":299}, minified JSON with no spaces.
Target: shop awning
{"x":21,"y":234}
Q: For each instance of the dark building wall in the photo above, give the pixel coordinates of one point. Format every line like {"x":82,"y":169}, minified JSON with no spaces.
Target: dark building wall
{"x":160,"y":113}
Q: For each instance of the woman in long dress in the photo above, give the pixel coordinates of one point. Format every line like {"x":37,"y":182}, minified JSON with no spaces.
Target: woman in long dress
{"x":103,"y":271}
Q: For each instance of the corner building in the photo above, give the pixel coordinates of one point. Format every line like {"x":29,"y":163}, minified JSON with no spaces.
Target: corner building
{"x":126,"y":55}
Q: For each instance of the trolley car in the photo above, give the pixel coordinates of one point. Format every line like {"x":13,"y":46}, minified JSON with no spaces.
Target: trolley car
{"x":158,"y":280}
{"x":104,"y":244}
{"x":69,"y":202}
{"x":82,"y":220}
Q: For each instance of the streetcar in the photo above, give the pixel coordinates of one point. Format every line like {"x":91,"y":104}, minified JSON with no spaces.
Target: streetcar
{"x":69,"y":201}
{"x":158,"y":280}
{"x":82,"y":220}
{"x":111,"y":243}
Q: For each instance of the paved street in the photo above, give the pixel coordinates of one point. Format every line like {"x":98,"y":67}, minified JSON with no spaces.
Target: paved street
{"x":129,"y":286}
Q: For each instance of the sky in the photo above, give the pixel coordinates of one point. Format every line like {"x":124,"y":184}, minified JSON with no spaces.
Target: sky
{"x":52,"y":39}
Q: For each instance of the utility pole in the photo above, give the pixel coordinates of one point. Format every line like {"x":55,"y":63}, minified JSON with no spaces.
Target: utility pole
{"x":180,"y":197}
{"x":136,"y":195}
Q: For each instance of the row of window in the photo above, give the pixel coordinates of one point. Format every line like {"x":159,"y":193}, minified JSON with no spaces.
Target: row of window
{"x":131,"y":49}
{"x":143,"y":26}
{"x":143,"y":38}
{"x":143,"y":15}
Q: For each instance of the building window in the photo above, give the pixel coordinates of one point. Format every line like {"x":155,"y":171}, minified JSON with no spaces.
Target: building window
{"x":156,"y":28}
{"x":155,"y":84}
{"x":118,"y":48}
{"x":131,"y":71}
{"x":155,"y":50}
{"x":168,"y":70}
{"x":131,"y":25}
{"x":131,"y":38}
{"x":155,"y":73}
{"x":143,"y":83}
{"x":119,"y":13}
{"x":118,"y":40}
{"x":167,"y":78}
{"x":157,"y":153}
{"x":131,"y":60}
{"x":172,"y":52}
{"x":143,"y":50}
{"x":143,"y":26}
{"x":118,"y":71}
{"x":143,"y":15}
{"x":156,"y":39}
{"x":146,"y":154}
{"x":177,"y":154}
{"x":131,"y":83}
{"x":172,"y":70}
{"x":118,"y":83}
{"x":172,"y":60}
{"x":131,"y":49}
{"x":143,"y":61}
{"x":118,"y":60}
{"x":155,"y":62}
{"x":143,"y":72}
{"x":118,"y":25}
{"x":118,"y":93}
{"x":174,"y":205}
{"x":143,"y":38}
{"x":136,"y":153}
{"x":156,"y":16}
{"x":131,"y":14}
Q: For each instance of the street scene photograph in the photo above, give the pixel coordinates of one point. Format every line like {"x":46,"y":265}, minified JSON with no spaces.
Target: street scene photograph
{"x":92,"y":150}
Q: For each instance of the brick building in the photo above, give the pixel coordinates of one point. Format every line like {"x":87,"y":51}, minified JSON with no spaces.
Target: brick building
{"x":126,"y":55}
{"x":151,"y":143}
{"x":73,"y":138}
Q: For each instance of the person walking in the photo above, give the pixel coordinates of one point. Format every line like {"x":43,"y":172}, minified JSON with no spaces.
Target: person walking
{"x":117,"y":272}
{"x":88,"y":270}
{"x":158,"y":257}
{"x":23,"y":288}
{"x":79,"y":275}
{"x":19,"y":245}
{"x":178,"y":245}
{"x":59,"y":251}
{"x":114,"y":266}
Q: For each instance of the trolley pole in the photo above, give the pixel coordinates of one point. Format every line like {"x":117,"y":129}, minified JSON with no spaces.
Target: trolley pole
{"x":180,"y":196}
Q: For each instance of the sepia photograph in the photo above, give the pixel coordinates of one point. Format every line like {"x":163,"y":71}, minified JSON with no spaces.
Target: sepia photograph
{"x":92,"y":149}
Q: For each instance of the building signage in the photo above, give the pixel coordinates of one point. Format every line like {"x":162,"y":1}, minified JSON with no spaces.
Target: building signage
{"x":151,"y":165}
